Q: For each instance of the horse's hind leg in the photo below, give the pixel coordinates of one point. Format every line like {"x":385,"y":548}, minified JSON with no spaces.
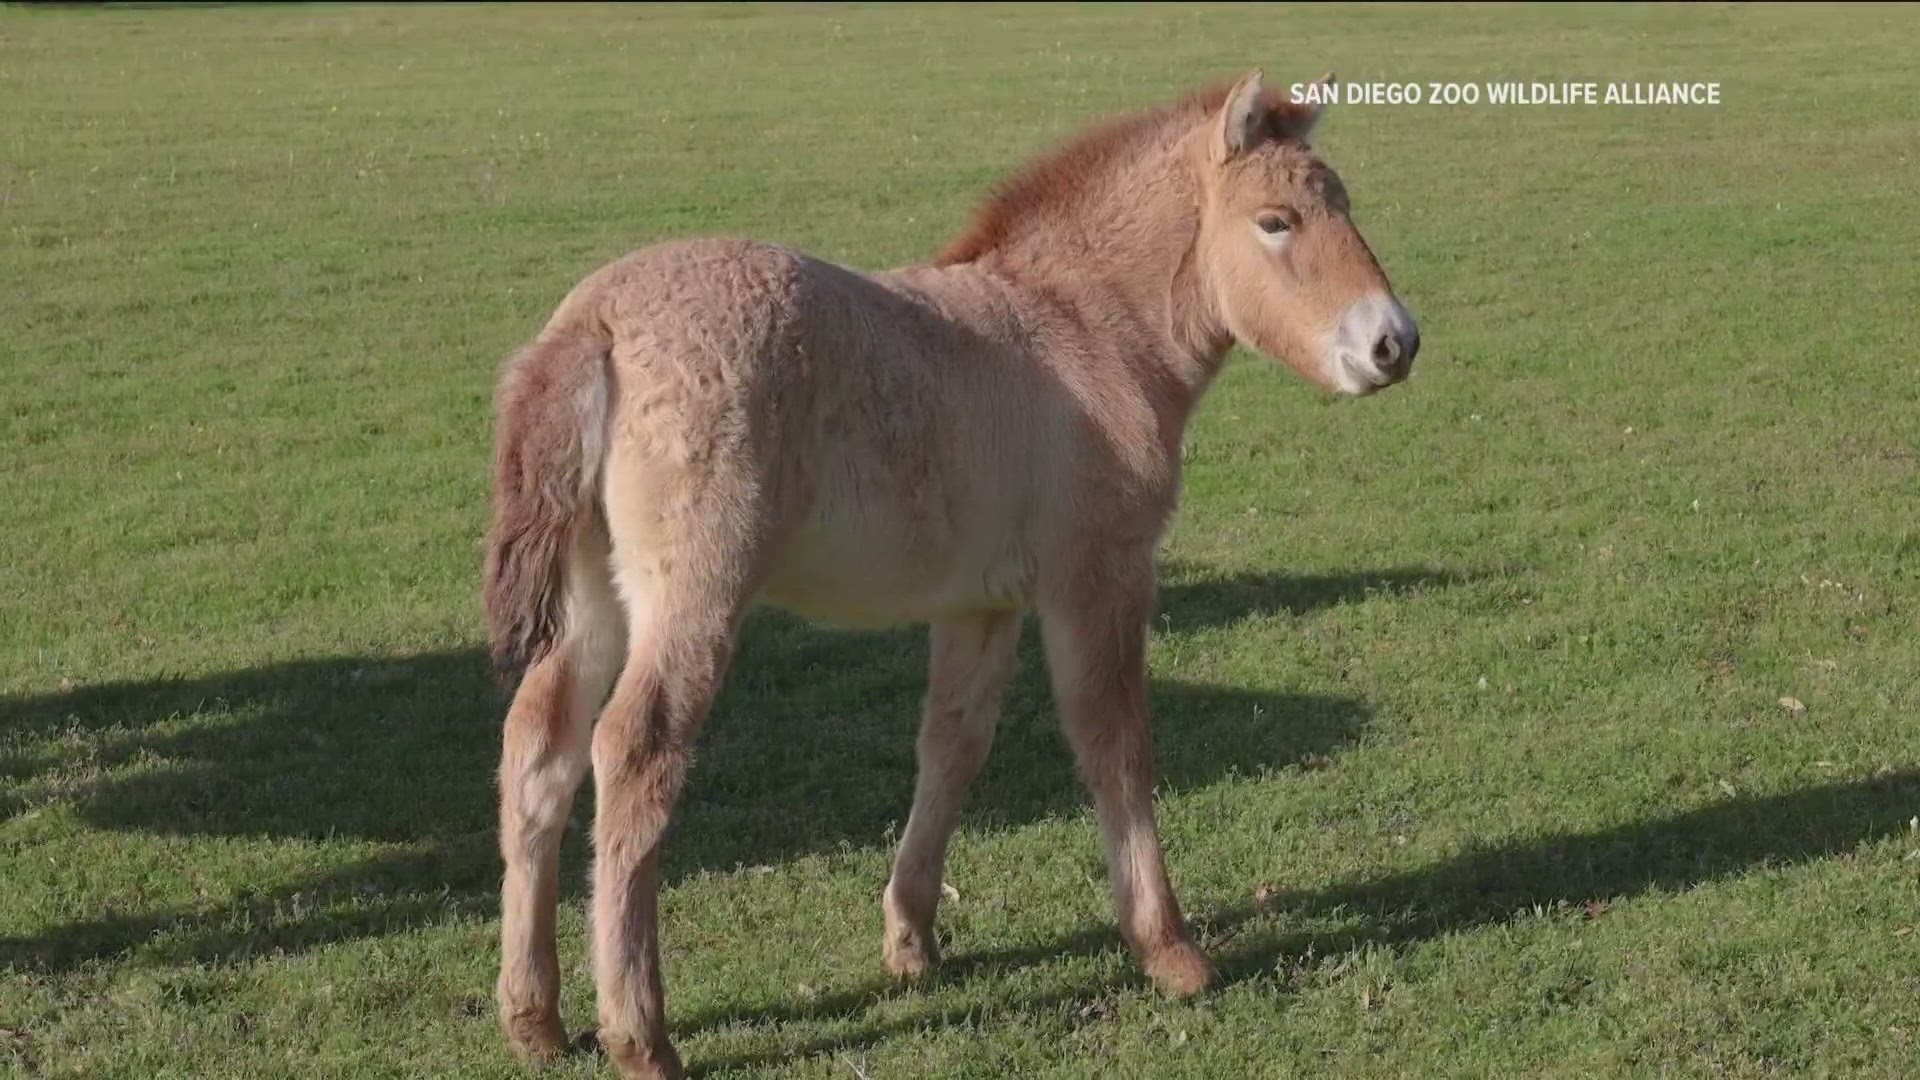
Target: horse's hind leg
{"x":542,"y":761}
{"x":972,"y":658}
{"x":684,"y":562}
{"x":1095,"y":625}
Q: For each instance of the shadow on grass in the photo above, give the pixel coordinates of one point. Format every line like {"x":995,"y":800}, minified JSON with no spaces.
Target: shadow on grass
{"x":402,"y":753}
{"x":1556,"y":873}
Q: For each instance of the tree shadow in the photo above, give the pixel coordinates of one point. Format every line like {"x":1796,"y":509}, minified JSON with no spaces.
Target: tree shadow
{"x":402,"y":751}
{"x":1553,"y":875}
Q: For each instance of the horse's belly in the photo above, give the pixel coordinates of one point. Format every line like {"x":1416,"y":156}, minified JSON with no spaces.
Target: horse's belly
{"x":884,"y":576}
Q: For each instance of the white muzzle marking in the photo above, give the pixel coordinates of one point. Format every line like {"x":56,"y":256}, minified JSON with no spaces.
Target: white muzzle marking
{"x":1373,"y":345}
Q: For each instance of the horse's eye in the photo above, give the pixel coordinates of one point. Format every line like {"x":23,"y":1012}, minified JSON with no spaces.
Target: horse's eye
{"x":1272,"y":224}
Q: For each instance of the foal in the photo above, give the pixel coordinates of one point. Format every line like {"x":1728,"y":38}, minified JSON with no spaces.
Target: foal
{"x":707,"y":423}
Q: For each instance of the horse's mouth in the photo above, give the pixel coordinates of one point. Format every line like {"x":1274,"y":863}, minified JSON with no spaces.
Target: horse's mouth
{"x":1356,"y":376}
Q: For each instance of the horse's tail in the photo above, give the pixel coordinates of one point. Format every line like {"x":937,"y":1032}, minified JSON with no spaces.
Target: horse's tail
{"x":550,"y":442}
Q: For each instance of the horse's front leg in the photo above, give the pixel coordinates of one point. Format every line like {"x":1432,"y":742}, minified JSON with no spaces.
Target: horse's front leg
{"x":972,"y":658}
{"x":1095,"y":625}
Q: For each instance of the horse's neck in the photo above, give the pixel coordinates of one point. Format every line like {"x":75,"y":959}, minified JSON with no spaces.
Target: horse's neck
{"x":1136,"y":321}
{"x":1117,"y":266}
{"x":1100,"y":345}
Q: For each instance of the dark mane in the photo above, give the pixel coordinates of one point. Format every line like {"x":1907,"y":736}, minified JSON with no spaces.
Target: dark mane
{"x":1059,"y":178}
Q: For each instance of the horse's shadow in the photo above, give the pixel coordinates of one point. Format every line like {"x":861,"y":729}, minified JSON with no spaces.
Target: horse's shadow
{"x":810,"y":747}
{"x":1558,"y":875}
{"x":403,"y":751}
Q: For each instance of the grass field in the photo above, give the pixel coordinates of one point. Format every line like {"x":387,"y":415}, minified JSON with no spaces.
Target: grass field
{"x":1469,"y":696}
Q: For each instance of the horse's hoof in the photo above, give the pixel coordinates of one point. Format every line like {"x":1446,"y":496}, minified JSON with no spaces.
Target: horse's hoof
{"x":1180,"y":971}
{"x":641,"y":1060}
{"x":536,"y":1036}
{"x":911,"y":960}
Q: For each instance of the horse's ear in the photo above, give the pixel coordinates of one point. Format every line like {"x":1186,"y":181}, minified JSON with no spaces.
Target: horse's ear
{"x":1238,"y":126}
{"x":1296,"y":119}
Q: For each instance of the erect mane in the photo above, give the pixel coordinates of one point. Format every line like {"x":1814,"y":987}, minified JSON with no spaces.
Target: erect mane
{"x":1059,"y":178}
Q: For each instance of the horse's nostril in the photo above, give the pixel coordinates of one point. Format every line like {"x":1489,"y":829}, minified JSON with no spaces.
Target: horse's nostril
{"x":1393,"y":352}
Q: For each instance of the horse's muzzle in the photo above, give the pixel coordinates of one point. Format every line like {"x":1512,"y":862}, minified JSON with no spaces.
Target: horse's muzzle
{"x":1374,"y":346}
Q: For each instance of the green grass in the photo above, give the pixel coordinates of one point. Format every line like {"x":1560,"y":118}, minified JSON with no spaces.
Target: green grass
{"x":1467,"y":695}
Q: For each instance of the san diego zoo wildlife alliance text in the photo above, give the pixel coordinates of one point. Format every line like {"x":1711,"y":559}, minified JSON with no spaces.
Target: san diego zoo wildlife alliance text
{"x":1507,"y":93}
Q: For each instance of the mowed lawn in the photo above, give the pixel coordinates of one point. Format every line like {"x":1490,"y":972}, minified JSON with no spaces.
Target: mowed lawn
{"x":1555,"y":714}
